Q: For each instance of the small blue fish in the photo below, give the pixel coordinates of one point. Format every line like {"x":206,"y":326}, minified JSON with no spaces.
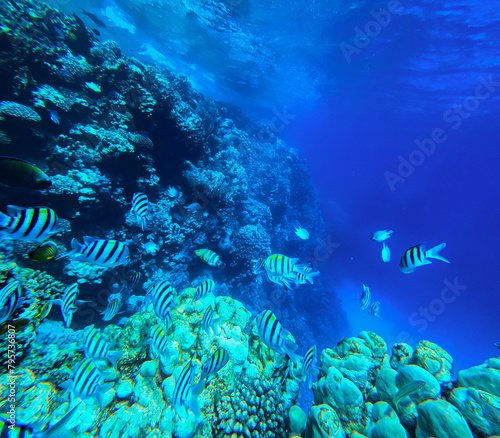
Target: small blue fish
{"x":54,"y":116}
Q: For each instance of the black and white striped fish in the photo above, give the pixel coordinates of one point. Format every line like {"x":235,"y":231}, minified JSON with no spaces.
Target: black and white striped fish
{"x":303,"y":277}
{"x":366,"y":297}
{"x":208,"y":320}
{"x":113,"y":307}
{"x":10,"y":299}
{"x":134,"y":279}
{"x":96,"y":346}
{"x":159,"y":341}
{"x":216,"y":362}
{"x":162,"y":296}
{"x":374,"y":308}
{"x":68,"y":303}
{"x":184,"y":391}
{"x":87,"y":381}
{"x":283,"y":266}
{"x":417,"y":256}
{"x":309,"y":368}
{"x":101,"y":252}
{"x":286,"y":282}
{"x":28,"y":224}
{"x":204,"y":289}
{"x":140,"y":207}
{"x":274,"y":336}
{"x":258,"y":265}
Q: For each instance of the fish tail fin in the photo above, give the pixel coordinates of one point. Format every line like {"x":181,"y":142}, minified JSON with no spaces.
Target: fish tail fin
{"x":113,"y":356}
{"x":76,"y":246}
{"x":311,"y":275}
{"x":290,"y":348}
{"x":221,"y":265}
{"x":301,"y":268}
{"x":434,"y":253}
{"x":287,"y":283}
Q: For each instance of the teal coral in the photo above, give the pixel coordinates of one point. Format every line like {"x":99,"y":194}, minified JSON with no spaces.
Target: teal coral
{"x":18,"y":111}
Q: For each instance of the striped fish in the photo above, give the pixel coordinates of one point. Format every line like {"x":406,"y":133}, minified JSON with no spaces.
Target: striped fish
{"x":216,"y":362}
{"x":87,"y":381}
{"x":204,"y":289}
{"x":210,"y":258}
{"x":273,"y":335}
{"x":184,"y":390}
{"x":140,"y":207}
{"x":28,"y":224}
{"x":407,"y":390}
{"x":10,"y":299}
{"x":417,"y":256}
{"x":303,"y":277}
{"x":366,"y":297}
{"x":159,"y":340}
{"x":134,"y":279}
{"x":96,"y":346}
{"x":286,"y":282}
{"x":208,"y":320}
{"x":374,"y":308}
{"x":68,"y":303}
{"x":309,"y":368}
{"x":101,"y":252}
{"x":258,"y":265}
{"x":283,"y":266}
{"x":113,"y":307}
{"x":162,"y":296}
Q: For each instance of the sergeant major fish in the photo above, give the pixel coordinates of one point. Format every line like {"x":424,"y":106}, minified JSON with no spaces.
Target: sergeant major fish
{"x":87,"y":382}
{"x":366,"y":297}
{"x":101,"y":252}
{"x":217,"y":361}
{"x":184,"y":391}
{"x":274,"y":336}
{"x":280,"y":265}
{"x":159,"y":341}
{"x":96,"y":347}
{"x":210,"y":258}
{"x":10,"y":299}
{"x":204,"y":289}
{"x":417,"y":256}
{"x":208,"y":320}
{"x":140,"y":207}
{"x":68,"y":303}
{"x":162,"y":297}
{"x":309,"y":368}
{"x":28,"y":224}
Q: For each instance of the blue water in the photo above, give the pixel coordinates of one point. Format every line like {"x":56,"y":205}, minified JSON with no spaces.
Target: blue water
{"x":355,"y":106}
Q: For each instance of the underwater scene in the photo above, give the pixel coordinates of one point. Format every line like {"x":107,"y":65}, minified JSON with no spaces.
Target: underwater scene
{"x":249,"y":219}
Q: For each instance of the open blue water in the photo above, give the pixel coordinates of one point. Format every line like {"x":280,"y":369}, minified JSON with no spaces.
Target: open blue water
{"x":356,"y":98}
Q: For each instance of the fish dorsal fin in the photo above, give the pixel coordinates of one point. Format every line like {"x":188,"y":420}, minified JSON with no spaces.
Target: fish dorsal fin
{"x":87,"y":240}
